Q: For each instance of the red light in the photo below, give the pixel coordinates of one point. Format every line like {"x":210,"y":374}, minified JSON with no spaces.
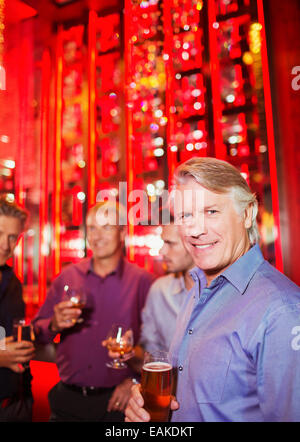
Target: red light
{"x":270,"y":135}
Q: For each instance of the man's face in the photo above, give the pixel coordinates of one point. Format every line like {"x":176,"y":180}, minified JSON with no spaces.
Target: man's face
{"x":105,"y":239}
{"x":212,"y":231}
{"x":10,"y":230}
{"x":175,"y":256}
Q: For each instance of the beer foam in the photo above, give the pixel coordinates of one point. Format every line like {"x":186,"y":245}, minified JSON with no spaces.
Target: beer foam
{"x":157,"y":366}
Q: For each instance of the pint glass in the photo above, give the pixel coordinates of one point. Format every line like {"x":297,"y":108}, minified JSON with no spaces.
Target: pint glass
{"x":156,"y":385}
{"x":23,"y":331}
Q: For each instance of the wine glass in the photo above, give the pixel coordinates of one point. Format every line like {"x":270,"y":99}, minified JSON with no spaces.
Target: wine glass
{"x":78,"y":298}
{"x":119,"y":340}
{"x":23,"y":331}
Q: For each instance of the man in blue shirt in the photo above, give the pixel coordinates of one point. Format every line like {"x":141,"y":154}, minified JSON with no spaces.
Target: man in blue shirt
{"x":237,"y":341}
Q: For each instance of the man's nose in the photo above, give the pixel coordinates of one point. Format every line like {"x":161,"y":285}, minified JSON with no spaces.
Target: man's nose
{"x":4,"y":242}
{"x":163,"y":250}
{"x":196,"y":226}
{"x":99,"y":233}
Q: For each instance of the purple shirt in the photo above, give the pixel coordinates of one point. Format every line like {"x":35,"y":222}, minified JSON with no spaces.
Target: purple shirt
{"x":117,"y":298}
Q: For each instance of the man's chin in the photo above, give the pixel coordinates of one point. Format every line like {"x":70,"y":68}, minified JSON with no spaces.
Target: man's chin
{"x":170,"y":269}
{"x":167,"y":268}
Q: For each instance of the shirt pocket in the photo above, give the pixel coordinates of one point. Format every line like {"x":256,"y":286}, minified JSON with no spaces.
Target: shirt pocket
{"x":209,"y":368}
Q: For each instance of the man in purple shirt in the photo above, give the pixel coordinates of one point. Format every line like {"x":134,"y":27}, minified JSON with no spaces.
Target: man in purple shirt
{"x":116,"y":293}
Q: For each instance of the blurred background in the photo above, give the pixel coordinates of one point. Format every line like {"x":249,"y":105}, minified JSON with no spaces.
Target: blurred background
{"x":98,"y":93}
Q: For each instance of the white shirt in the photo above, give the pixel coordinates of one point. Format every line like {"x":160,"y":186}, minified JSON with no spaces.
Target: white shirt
{"x":159,"y":315}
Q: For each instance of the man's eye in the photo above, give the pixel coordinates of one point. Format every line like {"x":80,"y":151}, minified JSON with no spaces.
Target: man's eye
{"x":108,"y":227}
{"x":212,"y":212}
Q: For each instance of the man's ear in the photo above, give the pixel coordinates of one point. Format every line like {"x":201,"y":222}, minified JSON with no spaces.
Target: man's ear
{"x":248,"y":216}
{"x":123,"y":232}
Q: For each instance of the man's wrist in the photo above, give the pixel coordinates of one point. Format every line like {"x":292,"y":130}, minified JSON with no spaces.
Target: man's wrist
{"x":53,"y":326}
{"x":131,"y":380}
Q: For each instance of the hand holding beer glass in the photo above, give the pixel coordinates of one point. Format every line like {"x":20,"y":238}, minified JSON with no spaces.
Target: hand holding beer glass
{"x":156,"y":385}
{"x":23,"y":331}
{"x":119,"y":340}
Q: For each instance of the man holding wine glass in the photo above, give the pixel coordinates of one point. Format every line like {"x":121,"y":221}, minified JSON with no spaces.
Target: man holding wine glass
{"x":15,"y":378}
{"x":116,"y":291}
{"x":166,"y":294}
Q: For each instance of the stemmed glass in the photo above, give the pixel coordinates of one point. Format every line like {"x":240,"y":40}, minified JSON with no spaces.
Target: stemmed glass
{"x":78,"y":298}
{"x":23,"y":331}
{"x":119,"y":340}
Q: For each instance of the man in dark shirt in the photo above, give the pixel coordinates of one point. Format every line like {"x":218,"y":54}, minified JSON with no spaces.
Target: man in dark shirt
{"x":116,"y":291}
{"x":15,"y":386}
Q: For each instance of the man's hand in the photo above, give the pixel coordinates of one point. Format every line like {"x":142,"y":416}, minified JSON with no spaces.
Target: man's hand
{"x":117,"y":355}
{"x":120,"y":396}
{"x":16,"y":354}
{"x":64,"y":316}
{"x":135,"y":412}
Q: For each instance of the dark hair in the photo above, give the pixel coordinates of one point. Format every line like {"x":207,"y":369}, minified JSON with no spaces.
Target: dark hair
{"x":12,"y":209}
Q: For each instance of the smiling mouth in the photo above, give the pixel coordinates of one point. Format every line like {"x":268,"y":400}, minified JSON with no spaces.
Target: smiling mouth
{"x":204,"y":246}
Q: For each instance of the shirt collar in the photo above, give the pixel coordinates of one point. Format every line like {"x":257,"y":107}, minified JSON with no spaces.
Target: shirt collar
{"x":86,"y":266}
{"x":242,"y":270}
{"x":238,"y":274}
{"x":198,"y":275}
{"x":178,"y":285}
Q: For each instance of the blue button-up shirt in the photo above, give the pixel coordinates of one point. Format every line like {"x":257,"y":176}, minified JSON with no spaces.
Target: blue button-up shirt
{"x":237,"y":346}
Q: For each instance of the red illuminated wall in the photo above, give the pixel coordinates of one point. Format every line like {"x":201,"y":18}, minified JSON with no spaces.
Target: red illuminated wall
{"x":283,"y":24}
{"x":125,"y":95}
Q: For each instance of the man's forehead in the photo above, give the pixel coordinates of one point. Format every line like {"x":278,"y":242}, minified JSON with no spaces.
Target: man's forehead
{"x":10,"y":224}
{"x":192,"y":191}
{"x":101,"y":217}
{"x":198,"y":199}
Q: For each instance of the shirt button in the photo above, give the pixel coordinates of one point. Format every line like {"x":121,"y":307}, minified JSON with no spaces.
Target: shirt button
{"x":180,"y":368}
{"x":190,"y":332}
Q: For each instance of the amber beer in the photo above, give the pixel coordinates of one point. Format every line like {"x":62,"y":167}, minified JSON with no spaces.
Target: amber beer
{"x":156,"y":389}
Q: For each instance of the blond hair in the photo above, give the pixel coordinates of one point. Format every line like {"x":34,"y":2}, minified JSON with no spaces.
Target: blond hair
{"x":221,"y":177}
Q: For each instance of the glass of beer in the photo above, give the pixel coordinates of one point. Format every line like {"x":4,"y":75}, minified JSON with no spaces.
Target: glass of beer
{"x":156,"y":385}
{"x":119,"y":340}
{"x":23,"y":331}
{"x":78,"y":298}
